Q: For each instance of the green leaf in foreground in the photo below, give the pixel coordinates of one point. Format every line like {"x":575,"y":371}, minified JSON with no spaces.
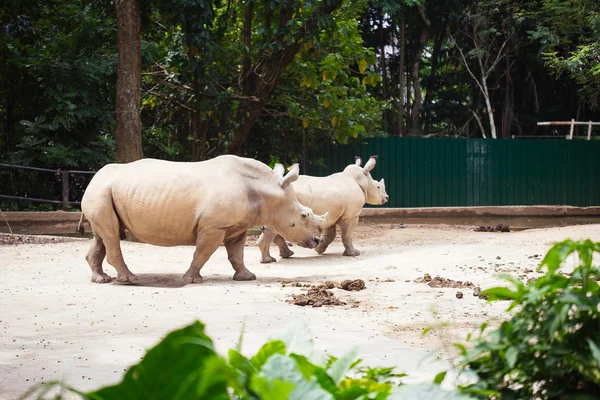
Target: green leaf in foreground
{"x":425,"y":391}
{"x":268,"y":349}
{"x":338,"y":370}
{"x":183,"y":365}
{"x":271,"y":389}
{"x":297,"y":338}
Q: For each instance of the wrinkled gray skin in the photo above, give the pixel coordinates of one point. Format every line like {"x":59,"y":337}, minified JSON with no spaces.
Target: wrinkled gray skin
{"x":203,"y":204}
{"x":342,"y":196}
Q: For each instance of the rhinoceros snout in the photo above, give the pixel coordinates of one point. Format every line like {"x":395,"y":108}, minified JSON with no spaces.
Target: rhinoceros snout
{"x":312,"y":243}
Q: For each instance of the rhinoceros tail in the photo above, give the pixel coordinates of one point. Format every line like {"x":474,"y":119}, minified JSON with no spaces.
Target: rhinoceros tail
{"x":80,"y":228}
{"x":122,"y":234}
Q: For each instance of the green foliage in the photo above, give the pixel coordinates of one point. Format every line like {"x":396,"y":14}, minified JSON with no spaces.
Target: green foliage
{"x":568,"y":33}
{"x":57,"y":84}
{"x":184,"y":365}
{"x":549,"y":348}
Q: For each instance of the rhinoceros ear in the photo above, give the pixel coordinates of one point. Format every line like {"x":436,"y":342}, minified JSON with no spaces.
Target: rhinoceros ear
{"x":370,"y":165}
{"x":357,"y":160}
{"x":291,"y":176}
{"x":279,"y":169}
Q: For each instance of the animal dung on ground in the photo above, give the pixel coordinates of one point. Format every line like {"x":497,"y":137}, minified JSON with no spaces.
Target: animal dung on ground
{"x":321,"y":294}
{"x":459,"y":295}
{"x":440,"y":282}
{"x":352,"y":285}
{"x":497,"y":228}
{"x":397,"y":226}
{"x":316,"y":297}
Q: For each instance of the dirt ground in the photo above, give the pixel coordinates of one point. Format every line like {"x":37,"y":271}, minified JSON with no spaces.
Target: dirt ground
{"x":55,"y":324}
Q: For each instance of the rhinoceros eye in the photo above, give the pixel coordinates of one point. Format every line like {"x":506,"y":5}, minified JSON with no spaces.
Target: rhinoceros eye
{"x":293,"y":225}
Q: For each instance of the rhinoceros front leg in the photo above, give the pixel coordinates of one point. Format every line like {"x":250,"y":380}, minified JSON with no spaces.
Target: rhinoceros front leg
{"x":206,"y":244}
{"x":284,"y":250}
{"x":326,"y":239}
{"x":348,"y":227}
{"x":235,"y":254}
{"x":264,"y":244}
{"x":95,"y":257}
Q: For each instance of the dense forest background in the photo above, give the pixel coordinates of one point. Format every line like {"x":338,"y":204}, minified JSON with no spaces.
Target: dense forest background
{"x":272,"y":78}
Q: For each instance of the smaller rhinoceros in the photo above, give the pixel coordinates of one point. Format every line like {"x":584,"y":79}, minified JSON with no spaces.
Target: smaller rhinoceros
{"x":342,"y":196}
{"x":203,"y":204}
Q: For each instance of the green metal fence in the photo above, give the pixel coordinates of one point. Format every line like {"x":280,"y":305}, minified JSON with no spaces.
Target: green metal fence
{"x":474,"y":172}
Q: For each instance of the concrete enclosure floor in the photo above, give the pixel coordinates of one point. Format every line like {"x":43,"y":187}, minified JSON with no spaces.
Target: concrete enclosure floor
{"x":56,"y":324}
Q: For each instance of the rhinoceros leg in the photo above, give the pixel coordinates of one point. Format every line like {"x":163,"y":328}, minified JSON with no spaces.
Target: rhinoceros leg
{"x":206,"y":244}
{"x":264,"y":243}
{"x":235,"y":254}
{"x":326,"y":239}
{"x":284,"y":250}
{"x":107,"y":227}
{"x":95,"y":257}
{"x":348,"y":227}
{"x":114,"y":256}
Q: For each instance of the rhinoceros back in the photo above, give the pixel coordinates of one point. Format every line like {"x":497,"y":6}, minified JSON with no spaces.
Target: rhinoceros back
{"x":336,"y":194}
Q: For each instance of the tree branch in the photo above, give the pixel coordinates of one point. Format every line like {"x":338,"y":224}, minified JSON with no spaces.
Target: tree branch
{"x":480,"y":124}
{"x":465,"y":62}
{"x":499,"y":56}
{"x":162,"y":96}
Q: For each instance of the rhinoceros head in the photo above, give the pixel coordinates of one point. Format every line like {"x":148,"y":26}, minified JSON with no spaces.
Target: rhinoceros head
{"x":294,"y":221}
{"x":374,"y":190}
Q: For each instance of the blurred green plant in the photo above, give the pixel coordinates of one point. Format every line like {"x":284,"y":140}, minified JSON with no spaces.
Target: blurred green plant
{"x":549,"y":349}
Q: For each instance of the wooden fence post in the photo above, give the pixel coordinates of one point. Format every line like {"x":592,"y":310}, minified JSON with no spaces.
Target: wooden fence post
{"x":572,"y":129}
{"x":65,"y":189}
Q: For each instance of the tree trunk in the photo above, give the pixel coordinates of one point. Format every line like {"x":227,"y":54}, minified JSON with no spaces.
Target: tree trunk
{"x":415,"y":120}
{"x":128,"y":135}
{"x":249,"y":111}
{"x":384,"y":83}
{"x":488,"y":106}
{"x":435,"y":61}
{"x":509,"y":112}
{"x":401,"y":85}
{"x":384,"y":77}
{"x":246,"y":78}
{"x":272,"y":64}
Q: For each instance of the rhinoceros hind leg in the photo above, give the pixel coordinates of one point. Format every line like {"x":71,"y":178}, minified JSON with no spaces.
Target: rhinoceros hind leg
{"x":264,"y":243}
{"x":101,"y":278}
{"x":351,"y":253}
{"x":95,"y":257}
{"x":235,"y":254}
{"x":114,"y":256}
{"x":284,"y":250}
{"x":193,"y":277}
{"x":267,"y":259}
{"x":348,"y":227}
{"x":206,"y":244}
{"x":244,"y":275}
{"x":326,"y":239}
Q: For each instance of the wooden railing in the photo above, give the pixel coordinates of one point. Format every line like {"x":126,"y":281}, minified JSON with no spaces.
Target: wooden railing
{"x":65,"y":185}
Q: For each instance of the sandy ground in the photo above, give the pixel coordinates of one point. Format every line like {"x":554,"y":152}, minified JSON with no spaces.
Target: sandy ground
{"x":55,"y":324}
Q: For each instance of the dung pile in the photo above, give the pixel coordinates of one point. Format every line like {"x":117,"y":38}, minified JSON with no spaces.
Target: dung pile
{"x":321,"y":295}
{"x":316,"y":297}
{"x":440,"y":282}
{"x":497,"y":228}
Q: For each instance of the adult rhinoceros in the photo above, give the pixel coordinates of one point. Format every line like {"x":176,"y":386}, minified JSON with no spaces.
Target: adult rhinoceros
{"x":342,"y":196}
{"x":204,"y":204}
